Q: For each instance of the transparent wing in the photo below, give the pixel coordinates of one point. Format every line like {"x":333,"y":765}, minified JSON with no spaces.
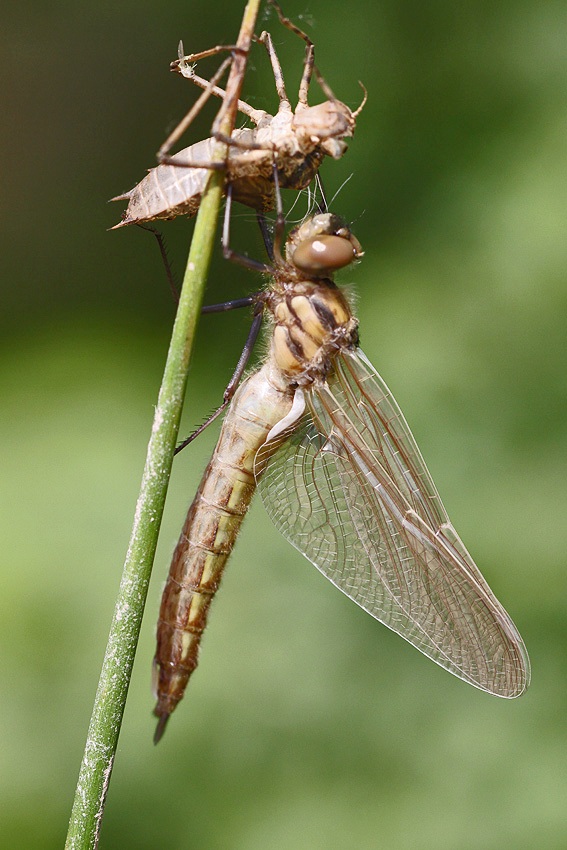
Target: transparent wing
{"x":349,"y":488}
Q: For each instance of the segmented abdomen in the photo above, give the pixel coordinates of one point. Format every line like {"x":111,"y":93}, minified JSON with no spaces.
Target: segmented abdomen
{"x":210,"y":531}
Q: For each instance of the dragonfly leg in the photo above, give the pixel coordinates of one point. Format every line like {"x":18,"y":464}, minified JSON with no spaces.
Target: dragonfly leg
{"x":188,"y":59}
{"x":266,"y":39}
{"x":236,"y":376}
{"x":279,"y":228}
{"x":165,"y":258}
{"x":163,"y":153}
{"x":309,"y":63}
{"x":209,"y":88}
{"x":307,"y":74}
{"x":309,"y":53}
{"x":266,"y":235}
{"x":256,"y":298}
{"x":225,"y":306}
{"x":273,"y":243}
{"x":237,"y":143}
{"x":228,"y":253}
{"x":184,"y":67}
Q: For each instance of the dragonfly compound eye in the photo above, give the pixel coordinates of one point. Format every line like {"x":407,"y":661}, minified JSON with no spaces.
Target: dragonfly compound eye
{"x":323,"y":254}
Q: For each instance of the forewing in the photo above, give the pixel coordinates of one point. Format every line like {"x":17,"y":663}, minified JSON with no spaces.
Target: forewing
{"x":349,"y":488}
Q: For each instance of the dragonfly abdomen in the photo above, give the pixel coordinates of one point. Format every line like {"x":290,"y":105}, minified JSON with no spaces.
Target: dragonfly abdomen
{"x":209,"y":533}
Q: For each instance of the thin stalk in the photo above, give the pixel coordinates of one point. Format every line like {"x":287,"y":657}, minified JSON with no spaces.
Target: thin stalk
{"x":110,"y":699}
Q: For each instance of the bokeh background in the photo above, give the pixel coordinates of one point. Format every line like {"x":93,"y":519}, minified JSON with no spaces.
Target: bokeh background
{"x":307,"y":725}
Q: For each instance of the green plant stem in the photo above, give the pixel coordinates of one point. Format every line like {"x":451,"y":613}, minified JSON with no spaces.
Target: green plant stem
{"x":108,"y":710}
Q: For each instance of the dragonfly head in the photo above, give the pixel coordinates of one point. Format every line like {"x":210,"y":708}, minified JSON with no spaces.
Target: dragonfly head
{"x":322,"y":245}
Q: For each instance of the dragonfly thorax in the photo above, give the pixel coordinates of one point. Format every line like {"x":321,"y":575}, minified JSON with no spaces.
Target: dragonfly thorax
{"x":313,"y":322}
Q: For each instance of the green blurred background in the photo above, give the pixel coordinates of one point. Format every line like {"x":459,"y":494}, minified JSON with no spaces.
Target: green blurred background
{"x":307,"y":725}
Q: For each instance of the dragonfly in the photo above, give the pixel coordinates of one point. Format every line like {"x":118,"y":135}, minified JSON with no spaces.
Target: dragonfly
{"x":290,"y":144}
{"x":316,"y":430}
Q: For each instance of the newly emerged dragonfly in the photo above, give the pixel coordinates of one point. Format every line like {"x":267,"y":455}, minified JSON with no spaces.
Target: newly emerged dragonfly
{"x":339,"y":472}
{"x":292,"y":142}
